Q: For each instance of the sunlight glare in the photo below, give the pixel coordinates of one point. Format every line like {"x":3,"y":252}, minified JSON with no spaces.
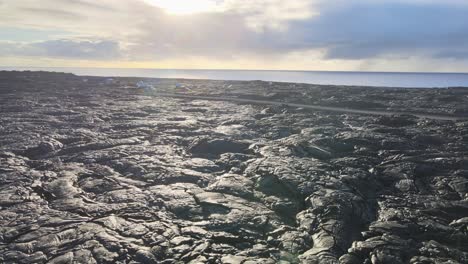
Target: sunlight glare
{"x":184,"y":7}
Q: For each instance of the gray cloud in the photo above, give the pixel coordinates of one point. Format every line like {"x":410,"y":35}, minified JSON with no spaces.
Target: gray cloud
{"x":72,"y":49}
{"x":453,"y":54}
{"x":80,"y":49}
{"x":360,"y":31}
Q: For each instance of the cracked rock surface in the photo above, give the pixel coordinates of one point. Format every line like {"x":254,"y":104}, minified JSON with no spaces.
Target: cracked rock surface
{"x":93,"y":171}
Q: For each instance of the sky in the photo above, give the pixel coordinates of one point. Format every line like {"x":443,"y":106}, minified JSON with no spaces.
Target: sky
{"x":339,"y":35}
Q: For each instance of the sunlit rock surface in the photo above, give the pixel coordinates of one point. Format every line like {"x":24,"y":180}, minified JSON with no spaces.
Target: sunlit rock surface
{"x":99,"y":172}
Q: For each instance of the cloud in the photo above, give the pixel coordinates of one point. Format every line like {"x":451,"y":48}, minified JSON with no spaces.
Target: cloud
{"x":363,"y":30}
{"x":210,"y":35}
{"x":453,"y":54}
{"x":52,"y":12}
{"x":262,"y":15}
{"x":354,"y":31}
{"x":106,"y":19}
{"x":73,"y":49}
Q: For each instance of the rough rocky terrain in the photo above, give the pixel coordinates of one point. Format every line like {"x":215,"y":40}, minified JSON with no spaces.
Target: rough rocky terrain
{"x":94,"y":170}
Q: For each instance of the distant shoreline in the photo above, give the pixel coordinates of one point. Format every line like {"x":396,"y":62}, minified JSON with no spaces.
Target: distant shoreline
{"x":341,"y":78}
{"x":260,"y":70}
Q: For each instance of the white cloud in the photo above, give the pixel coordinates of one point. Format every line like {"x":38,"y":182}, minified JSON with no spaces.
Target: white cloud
{"x":184,"y":7}
{"x":272,"y":14}
{"x":259,"y":15}
{"x":84,"y":17}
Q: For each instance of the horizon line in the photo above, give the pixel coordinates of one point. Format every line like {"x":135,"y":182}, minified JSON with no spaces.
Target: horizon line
{"x":212,"y":69}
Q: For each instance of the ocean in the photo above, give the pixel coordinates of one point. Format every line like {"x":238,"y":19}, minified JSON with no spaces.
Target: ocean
{"x":384,"y":79}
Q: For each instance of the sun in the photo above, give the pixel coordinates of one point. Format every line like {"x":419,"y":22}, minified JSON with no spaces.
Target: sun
{"x":184,"y":7}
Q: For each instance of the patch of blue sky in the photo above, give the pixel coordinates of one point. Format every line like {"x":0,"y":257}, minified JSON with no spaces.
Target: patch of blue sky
{"x":30,"y":34}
